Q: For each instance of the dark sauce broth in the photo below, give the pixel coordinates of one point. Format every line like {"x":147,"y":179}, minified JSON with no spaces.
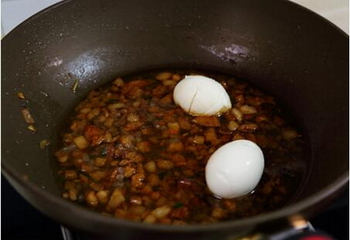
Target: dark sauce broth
{"x":130,"y":152}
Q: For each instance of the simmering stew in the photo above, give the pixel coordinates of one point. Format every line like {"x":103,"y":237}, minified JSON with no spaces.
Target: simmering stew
{"x":131,"y":153}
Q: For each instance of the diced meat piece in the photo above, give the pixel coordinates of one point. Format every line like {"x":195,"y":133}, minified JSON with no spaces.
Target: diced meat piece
{"x":207,"y":121}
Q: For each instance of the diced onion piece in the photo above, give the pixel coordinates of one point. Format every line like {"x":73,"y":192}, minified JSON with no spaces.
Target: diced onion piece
{"x":81,"y":142}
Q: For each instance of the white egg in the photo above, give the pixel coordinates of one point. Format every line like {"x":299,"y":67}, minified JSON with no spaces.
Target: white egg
{"x":234,"y":169}
{"x":201,"y":96}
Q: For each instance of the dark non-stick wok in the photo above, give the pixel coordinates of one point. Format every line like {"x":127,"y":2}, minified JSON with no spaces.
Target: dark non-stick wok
{"x":281,"y":47}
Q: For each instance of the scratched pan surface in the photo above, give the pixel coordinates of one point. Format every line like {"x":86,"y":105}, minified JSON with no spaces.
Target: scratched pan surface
{"x":277,"y":45}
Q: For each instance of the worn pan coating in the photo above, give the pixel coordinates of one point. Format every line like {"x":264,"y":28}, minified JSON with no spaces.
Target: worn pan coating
{"x":277,"y":45}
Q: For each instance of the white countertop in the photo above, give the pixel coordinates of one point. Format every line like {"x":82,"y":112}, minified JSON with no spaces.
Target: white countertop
{"x":13,"y":12}
{"x":336,"y":11}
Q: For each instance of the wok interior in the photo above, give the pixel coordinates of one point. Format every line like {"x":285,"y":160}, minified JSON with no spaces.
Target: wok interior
{"x":290,"y":53}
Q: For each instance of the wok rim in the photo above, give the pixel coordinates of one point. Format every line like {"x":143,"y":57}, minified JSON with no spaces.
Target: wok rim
{"x":64,"y":2}
{"x":290,"y":210}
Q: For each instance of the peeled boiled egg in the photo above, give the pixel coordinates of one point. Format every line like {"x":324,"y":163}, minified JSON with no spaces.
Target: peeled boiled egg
{"x":234,"y":169}
{"x":201,"y":96}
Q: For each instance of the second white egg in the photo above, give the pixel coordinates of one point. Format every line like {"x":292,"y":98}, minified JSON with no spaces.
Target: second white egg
{"x":234,"y":169}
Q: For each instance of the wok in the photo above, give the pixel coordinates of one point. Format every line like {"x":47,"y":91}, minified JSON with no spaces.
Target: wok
{"x":279,"y":46}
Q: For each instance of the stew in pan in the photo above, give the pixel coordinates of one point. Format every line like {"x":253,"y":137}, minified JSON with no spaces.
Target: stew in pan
{"x":131,"y":153}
